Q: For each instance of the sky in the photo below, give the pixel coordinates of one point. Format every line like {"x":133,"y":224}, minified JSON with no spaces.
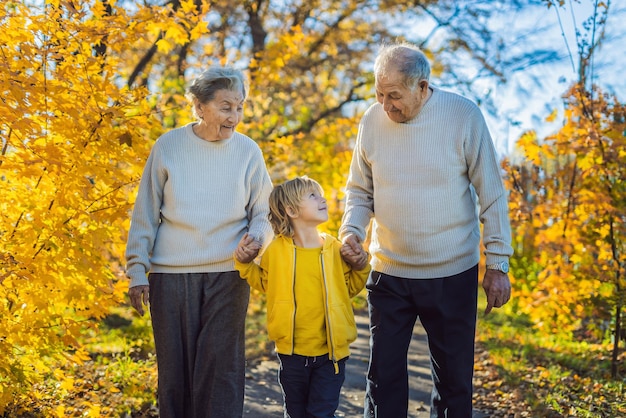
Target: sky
{"x":531,"y":95}
{"x":533,"y":91}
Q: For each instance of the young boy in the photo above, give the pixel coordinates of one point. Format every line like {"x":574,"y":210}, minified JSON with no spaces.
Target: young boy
{"x":309,"y":287}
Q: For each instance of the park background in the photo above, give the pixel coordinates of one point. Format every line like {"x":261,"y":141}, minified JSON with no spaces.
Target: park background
{"x":87,"y":87}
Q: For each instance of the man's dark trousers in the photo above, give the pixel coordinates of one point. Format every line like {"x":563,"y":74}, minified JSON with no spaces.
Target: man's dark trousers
{"x":447,"y":310}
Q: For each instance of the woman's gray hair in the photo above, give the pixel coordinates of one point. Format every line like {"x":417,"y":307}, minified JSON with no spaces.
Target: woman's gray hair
{"x":213,"y":79}
{"x":405,"y":58}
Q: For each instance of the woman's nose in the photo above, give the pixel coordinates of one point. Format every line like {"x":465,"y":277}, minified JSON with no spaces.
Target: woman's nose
{"x":234,"y":116}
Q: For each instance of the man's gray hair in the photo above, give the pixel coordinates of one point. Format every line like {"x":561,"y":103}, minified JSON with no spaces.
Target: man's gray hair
{"x":213,"y":79}
{"x":405,"y":58}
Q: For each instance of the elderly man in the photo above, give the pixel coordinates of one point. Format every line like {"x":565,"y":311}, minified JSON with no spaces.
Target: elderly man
{"x":425,"y":168}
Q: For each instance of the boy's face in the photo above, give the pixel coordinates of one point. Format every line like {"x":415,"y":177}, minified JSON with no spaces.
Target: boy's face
{"x":313,"y":208}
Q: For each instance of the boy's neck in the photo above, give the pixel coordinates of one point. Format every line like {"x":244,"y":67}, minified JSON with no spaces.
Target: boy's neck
{"x":307,"y":237}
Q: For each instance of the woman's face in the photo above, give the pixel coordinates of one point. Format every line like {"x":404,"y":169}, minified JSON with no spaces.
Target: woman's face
{"x":221,"y":115}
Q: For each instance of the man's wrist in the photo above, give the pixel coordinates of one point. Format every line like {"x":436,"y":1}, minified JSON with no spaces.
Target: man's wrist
{"x":502,"y":266}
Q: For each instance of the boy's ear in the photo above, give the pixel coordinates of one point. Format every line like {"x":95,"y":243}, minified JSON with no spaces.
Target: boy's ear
{"x":291,"y":212}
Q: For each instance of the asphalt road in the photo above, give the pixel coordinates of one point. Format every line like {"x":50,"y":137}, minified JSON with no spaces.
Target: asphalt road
{"x":264,"y":400}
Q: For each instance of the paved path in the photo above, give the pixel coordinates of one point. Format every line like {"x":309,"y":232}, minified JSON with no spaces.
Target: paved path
{"x":263,"y":397}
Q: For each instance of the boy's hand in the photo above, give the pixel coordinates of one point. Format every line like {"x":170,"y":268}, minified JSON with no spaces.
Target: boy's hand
{"x":353,"y":253}
{"x":247,"y":249}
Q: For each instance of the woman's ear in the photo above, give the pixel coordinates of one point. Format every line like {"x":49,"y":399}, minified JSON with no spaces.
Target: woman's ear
{"x":198,"y":106}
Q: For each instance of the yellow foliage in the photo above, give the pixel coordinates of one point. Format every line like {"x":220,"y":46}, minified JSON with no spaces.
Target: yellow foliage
{"x":188,"y":6}
{"x":60,"y":411}
{"x":552,"y":116}
{"x":572,"y":192}
{"x":528,"y":142}
{"x":65,"y":187}
{"x":79,"y":115}
{"x":164,"y":46}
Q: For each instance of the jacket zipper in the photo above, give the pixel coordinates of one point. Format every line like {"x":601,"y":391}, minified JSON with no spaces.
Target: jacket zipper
{"x":293,"y":291}
{"x":327,"y":309}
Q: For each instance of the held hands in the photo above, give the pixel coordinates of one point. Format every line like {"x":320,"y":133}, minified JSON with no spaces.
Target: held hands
{"x":497,"y":288}
{"x":247,"y":249}
{"x":353,"y":253}
{"x":139,"y":296}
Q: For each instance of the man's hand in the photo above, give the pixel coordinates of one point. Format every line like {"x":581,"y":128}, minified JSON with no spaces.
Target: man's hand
{"x":247,"y":249}
{"x":353,"y":253}
{"x":139,"y":296}
{"x":497,"y":288}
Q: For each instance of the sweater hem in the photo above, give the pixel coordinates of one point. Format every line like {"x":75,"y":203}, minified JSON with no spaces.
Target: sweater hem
{"x":142,"y":280}
{"x":227,"y":265}
{"x":424,"y":272}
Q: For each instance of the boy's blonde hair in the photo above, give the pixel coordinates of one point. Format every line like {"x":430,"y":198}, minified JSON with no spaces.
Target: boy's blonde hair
{"x":286,"y":196}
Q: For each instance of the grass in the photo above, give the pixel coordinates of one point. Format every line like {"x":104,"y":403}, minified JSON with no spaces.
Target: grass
{"x":118,"y":377}
{"x":519,"y":372}
{"x":544,"y":375}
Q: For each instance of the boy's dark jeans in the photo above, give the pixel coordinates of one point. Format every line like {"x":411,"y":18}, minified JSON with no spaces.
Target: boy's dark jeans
{"x":310,"y":386}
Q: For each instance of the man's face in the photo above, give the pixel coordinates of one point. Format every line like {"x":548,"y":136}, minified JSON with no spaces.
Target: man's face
{"x":400,"y":103}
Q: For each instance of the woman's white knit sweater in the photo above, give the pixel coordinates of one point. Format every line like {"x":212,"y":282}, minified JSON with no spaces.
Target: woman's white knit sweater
{"x":196,"y":199}
{"x":420,"y":180}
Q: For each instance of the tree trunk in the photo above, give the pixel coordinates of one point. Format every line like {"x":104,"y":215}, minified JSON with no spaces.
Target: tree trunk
{"x":618,"y":337}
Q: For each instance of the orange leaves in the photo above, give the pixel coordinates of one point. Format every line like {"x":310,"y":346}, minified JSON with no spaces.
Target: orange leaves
{"x":571,"y":189}
{"x":552,"y":116}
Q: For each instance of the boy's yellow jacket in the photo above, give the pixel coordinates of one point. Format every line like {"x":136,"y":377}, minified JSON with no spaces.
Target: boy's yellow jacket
{"x":275,"y":277}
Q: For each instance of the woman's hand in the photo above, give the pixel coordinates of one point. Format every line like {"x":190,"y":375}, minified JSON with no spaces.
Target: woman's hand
{"x":139,"y":296}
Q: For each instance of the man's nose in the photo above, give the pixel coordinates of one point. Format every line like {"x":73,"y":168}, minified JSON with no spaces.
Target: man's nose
{"x":387,"y":106}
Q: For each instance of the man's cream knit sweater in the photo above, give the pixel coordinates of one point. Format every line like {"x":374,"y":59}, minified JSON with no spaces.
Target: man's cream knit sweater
{"x":196,"y":199}
{"x":421,"y":181}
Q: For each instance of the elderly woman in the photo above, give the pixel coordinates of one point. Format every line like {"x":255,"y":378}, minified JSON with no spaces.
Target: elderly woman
{"x":203,"y":187}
